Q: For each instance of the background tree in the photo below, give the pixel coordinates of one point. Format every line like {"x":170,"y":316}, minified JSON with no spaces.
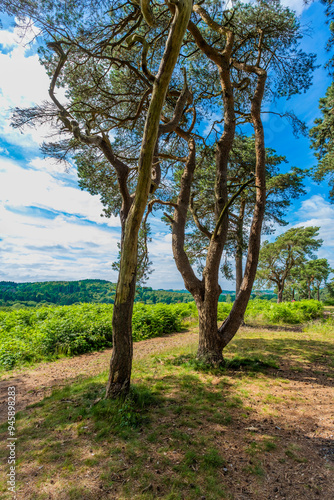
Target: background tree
{"x":312,"y":275}
{"x":282,"y":188}
{"x":289,"y":251}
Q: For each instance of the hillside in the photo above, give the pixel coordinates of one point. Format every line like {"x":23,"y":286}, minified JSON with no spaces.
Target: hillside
{"x":91,"y":291}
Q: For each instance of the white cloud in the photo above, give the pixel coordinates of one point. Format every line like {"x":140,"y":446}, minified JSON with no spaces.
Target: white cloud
{"x":34,"y":248}
{"x":297,"y":5}
{"x":39,"y":245}
{"x":23,"y":83}
{"x":318,"y":212}
{"x":63,"y":236}
{"x":20,"y":187}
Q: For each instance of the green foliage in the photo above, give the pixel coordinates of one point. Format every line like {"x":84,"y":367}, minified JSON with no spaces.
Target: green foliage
{"x":285,"y":312}
{"x":224,"y":309}
{"x":152,"y":321}
{"x":19,"y":295}
{"x":28,"y":335}
{"x":81,"y":329}
{"x":310,"y":276}
{"x":324,"y":326}
{"x":57,"y":292}
{"x":289,"y":251}
{"x":321,"y":136}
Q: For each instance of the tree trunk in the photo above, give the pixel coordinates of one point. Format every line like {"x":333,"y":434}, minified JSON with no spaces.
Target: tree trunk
{"x":121,"y":361}
{"x":210,"y":345}
{"x":206,"y":291}
{"x":239,"y":249}
{"x":318,"y":293}
{"x":279,"y":295}
{"x":232,"y":323}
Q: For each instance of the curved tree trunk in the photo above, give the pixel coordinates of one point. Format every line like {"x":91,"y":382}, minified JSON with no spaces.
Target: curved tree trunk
{"x":121,"y":361}
{"x":231,"y":325}
{"x":239,"y":249}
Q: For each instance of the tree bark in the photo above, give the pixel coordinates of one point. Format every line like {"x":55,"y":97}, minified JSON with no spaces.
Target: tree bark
{"x":279,"y":294}
{"x":232,"y":323}
{"x":210,"y":344}
{"x":239,"y":249}
{"x":121,"y":360}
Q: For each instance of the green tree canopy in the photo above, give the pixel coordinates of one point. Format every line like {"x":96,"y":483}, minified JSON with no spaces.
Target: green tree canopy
{"x":289,"y":251}
{"x":322,"y":133}
{"x":311,"y":275}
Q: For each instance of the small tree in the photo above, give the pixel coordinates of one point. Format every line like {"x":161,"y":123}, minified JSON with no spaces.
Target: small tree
{"x":313,"y":274}
{"x":289,"y":251}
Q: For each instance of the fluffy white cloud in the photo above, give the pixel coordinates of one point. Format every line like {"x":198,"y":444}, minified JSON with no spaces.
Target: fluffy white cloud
{"x":20,"y":187}
{"x":297,"y":5}
{"x":61,"y":237}
{"x":50,"y":229}
{"x":316,"y":211}
{"x":23,"y":83}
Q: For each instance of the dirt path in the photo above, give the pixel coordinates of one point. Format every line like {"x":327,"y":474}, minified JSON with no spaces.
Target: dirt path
{"x":35,"y":384}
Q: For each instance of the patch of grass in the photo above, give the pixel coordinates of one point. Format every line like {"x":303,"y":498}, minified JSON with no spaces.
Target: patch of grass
{"x":255,"y":469}
{"x":293,"y":452}
{"x":212,"y":459}
{"x":237,"y":363}
{"x":252,"y":364}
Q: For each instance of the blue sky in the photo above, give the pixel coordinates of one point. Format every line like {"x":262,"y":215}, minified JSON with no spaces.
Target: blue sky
{"x":51,"y":230}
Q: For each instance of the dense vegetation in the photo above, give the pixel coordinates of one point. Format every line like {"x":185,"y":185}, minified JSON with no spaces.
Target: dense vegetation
{"x":90,"y":291}
{"x":33,"y":334}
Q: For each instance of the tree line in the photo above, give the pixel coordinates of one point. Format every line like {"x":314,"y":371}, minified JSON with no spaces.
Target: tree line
{"x":93,"y":291}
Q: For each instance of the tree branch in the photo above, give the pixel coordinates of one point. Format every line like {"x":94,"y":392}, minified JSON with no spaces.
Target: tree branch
{"x":227,"y":206}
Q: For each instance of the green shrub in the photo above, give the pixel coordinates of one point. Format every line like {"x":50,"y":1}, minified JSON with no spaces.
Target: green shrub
{"x":325,"y":326}
{"x":285,"y":312}
{"x":151,"y":321}
{"x":77,"y":329}
{"x":33,"y":334}
{"x":224,"y":309}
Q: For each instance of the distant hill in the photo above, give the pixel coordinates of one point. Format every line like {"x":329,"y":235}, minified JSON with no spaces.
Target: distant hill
{"x":57,"y":292}
{"x":90,"y":290}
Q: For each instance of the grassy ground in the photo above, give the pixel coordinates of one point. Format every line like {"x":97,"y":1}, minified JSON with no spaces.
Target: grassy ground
{"x":185,"y":431}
